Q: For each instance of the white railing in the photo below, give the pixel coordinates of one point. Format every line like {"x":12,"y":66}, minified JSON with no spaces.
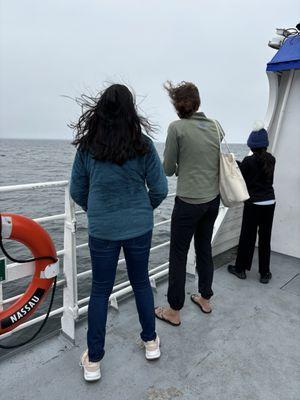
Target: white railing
{"x":72,"y":307}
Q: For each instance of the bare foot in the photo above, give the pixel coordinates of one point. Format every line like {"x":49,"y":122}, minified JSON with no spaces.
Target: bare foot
{"x":203,"y":303}
{"x":169,"y":315}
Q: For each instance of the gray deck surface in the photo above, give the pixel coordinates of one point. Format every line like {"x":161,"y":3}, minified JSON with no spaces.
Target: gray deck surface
{"x":248,"y":349}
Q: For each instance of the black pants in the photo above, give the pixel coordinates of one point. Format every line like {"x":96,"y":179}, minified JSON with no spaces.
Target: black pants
{"x":255,"y":217}
{"x":189,"y":220}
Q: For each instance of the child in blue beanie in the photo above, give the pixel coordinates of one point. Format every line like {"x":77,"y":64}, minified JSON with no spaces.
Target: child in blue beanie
{"x":258,"y":172}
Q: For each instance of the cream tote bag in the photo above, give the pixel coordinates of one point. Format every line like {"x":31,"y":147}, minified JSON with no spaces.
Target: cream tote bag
{"x":233,"y":189}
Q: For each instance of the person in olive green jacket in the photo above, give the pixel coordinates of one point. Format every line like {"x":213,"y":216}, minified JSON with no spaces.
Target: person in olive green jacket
{"x":192,"y":153}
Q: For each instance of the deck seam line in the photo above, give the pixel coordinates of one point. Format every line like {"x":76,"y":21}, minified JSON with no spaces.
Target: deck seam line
{"x":290,"y":280}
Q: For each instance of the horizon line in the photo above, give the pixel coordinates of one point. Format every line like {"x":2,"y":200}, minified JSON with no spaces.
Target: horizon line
{"x":70,"y":140}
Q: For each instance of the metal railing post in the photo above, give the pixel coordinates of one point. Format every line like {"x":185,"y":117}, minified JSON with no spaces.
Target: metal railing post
{"x":70,"y":295}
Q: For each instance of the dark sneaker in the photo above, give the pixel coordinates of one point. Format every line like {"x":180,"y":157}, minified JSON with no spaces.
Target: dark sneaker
{"x":265,"y":278}
{"x":233,"y":270}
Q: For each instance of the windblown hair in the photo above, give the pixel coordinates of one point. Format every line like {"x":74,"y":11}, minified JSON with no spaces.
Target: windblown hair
{"x":266,"y":161}
{"x":110,"y":127}
{"x":185,"y":98}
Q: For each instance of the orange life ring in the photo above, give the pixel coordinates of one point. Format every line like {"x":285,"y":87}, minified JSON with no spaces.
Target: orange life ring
{"x":38,"y":241}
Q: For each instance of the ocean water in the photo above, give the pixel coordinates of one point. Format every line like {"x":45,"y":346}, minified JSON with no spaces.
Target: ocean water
{"x":30,"y":161}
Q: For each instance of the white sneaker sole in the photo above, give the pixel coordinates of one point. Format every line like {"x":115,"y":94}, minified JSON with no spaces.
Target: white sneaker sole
{"x":153,"y":355}
{"x":91,"y":376}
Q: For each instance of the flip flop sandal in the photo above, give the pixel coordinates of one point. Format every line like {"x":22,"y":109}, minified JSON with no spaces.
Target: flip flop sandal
{"x":162,"y":318}
{"x":199,"y":305}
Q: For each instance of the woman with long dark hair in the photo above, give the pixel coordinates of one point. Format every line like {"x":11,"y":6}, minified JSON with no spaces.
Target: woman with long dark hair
{"x":258,"y":172}
{"x":118,"y":179}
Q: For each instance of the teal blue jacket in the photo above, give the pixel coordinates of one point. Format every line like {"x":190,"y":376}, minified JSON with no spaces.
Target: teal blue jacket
{"x":119,"y":200}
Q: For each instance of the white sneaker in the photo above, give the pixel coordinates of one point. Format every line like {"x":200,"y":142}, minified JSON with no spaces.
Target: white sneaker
{"x":152,"y":350}
{"x":91,"y":370}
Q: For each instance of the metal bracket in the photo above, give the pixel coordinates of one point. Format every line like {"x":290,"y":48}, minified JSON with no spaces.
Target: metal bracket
{"x":50,"y":271}
{"x":75,"y":311}
{"x":114,"y":303}
{"x":65,"y":283}
{"x":153,"y":283}
{"x":71,"y":226}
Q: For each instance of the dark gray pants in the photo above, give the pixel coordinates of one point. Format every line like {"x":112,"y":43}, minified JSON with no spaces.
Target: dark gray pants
{"x":188,"y":220}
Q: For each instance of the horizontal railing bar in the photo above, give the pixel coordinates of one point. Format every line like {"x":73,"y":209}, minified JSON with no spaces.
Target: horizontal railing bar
{"x":84,"y":273}
{"x":122,"y":284}
{"x":84,"y":300}
{"x":155,"y":225}
{"x":88,"y":272}
{"x":81,"y":310}
{"x":79,"y":212}
{"x":127,"y":283}
{"x":50,"y":218}
{"x":122,"y":292}
{"x":59,"y":253}
{"x":32,"y":322}
{"x":166,"y":264}
{"x":159,"y":246}
{"x":17,"y":271}
{"x":162,"y":222}
{"x":43,"y":185}
{"x":82,"y":246}
{"x":160,"y":274}
{"x":28,"y":186}
{"x":151,"y":271}
{"x":13,"y":299}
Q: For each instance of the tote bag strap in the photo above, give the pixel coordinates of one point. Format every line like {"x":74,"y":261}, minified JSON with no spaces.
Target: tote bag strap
{"x":219,"y":135}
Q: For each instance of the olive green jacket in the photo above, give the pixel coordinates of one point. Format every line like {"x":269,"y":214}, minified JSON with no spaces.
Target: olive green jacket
{"x":192,"y":152}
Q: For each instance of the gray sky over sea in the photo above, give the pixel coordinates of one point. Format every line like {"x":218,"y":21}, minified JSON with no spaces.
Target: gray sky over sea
{"x":55,"y":48}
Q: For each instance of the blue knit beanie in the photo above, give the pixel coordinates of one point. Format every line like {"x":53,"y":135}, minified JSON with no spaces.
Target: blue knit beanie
{"x":258,"y":137}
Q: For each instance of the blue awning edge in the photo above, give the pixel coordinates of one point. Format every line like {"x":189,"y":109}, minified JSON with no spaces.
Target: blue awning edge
{"x":288,"y":56}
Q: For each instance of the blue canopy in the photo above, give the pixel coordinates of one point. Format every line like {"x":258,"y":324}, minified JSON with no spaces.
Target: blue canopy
{"x":288,"y":56}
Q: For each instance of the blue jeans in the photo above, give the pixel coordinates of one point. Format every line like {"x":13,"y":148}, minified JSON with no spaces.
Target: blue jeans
{"x":105,"y":256}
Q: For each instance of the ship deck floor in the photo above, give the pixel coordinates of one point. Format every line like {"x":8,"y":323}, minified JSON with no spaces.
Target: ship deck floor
{"x":247,"y":349}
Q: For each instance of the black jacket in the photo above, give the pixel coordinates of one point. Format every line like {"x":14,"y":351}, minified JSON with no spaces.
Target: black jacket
{"x":259,"y":185}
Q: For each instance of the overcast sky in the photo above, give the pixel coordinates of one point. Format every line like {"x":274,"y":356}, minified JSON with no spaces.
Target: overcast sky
{"x":51,"y":48}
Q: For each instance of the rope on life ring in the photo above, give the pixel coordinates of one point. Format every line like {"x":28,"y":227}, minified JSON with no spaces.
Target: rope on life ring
{"x":37,"y":240}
